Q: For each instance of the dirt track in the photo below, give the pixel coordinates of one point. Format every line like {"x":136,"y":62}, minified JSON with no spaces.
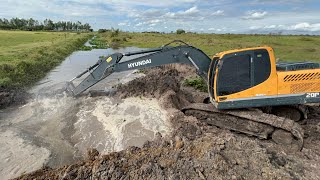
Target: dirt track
{"x":194,"y":150}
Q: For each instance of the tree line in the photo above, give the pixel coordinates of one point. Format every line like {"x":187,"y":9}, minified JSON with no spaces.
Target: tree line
{"x":47,"y":25}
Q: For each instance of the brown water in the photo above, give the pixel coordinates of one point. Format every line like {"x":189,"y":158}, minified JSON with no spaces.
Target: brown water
{"x":53,"y":129}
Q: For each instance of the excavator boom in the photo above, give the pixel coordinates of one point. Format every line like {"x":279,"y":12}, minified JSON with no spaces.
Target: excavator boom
{"x":183,"y":54}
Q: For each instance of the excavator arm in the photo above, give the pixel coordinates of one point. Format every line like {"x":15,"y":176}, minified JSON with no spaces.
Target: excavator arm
{"x":183,"y":54}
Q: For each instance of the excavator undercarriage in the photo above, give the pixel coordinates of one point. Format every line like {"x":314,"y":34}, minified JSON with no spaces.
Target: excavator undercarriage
{"x":253,"y":122}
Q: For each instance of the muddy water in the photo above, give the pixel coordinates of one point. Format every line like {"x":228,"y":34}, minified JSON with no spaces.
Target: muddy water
{"x":53,"y":129}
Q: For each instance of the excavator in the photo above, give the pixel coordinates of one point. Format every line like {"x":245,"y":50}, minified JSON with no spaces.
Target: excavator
{"x":249,"y":92}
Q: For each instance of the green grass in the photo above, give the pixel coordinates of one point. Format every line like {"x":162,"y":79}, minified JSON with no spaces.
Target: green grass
{"x":197,"y":83}
{"x":287,"y":48}
{"x":26,"y":57}
{"x":96,"y":43}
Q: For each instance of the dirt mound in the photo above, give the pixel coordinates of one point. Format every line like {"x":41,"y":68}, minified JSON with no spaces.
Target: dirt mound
{"x":159,"y":83}
{"x":10,"y":97}
{"x":194,"y":150}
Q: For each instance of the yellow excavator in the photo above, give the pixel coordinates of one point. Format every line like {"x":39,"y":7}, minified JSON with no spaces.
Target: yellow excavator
{"x":248,"y":91}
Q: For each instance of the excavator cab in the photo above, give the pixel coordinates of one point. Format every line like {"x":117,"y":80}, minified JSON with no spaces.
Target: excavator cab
{"x":234,"y":74}
{"x":251,"y":78}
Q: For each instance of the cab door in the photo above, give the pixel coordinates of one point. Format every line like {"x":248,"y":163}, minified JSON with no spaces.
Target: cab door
{"x":238,"y":72}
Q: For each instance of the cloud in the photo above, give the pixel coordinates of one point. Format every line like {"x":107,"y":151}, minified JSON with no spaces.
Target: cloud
{"x":193,"y":11}
{"x":304,"y":26}
{"x":218,"y":13}
{"x":280,"y":1}
{"x":220,"y":29}
{"x":255,"y":15}
{"x":123,"y":24}
{"x":135,"y":3}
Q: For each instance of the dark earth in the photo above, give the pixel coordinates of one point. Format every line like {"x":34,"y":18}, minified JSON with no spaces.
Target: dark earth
{"x":10,"y":97}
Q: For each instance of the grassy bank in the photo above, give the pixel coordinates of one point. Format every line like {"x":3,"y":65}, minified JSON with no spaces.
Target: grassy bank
{"x":26,"y":57}
{"x":287,"y":48}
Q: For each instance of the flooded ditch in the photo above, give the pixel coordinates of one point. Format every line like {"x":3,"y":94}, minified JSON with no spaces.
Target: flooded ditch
{"x":53,"y":129}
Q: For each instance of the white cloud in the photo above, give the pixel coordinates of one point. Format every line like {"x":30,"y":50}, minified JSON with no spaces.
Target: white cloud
{"x":123,"y":24}
{"x":220,"y":29}
{"x":255,"y":15}
{"x":130,"y":3}
{"x":193,"y":11}
{"x":218,"y":13}
{"x":304,"y":26}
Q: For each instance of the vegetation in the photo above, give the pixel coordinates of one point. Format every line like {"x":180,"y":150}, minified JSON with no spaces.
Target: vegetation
{"x":287,"y":47}
{"x":46,"y":25}
{"x":26,"y":57}
{"x":180,"y":31}
{"x":114,"y":38}
{"x":96,"y":43}
{"x":103,"y":30}
{"x":197,"y":83}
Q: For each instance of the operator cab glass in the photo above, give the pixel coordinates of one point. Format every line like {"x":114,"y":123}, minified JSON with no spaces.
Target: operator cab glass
{"x":211,"y":75}
{"x":240,"y":71}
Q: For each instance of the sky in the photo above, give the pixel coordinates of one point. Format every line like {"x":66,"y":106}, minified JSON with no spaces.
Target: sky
{"x":202,"y":16}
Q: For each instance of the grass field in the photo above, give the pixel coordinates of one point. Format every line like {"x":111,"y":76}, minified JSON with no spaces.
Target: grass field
{"x":25,"y":57}
{"x":287,"y":48}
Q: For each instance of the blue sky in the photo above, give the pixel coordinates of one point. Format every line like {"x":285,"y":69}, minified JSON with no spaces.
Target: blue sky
{"x":219,"y":16}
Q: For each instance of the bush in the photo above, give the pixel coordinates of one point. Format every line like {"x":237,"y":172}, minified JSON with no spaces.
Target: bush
{"x":115,"y":40}
{"x":102,"y":30}
{"x":4,"y":82}
{"x":198,"y":83}
{"x":114,"y":32}
{"x":180,"y":31}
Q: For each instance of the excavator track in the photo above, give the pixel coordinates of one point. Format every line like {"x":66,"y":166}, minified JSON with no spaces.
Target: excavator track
{"x":252,"y":122}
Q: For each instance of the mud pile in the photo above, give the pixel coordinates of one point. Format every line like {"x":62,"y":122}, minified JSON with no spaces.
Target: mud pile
{"x":12,"y":97}
{"x":194,"y":150}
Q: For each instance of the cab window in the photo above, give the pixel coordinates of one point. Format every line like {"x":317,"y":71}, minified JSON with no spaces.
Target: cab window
{"x":234,"y":74}
{"x":243,"y":70}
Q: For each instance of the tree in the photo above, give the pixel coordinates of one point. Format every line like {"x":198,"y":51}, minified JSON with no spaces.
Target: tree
{"x":48,"y":25}
{"x":180,"y":31}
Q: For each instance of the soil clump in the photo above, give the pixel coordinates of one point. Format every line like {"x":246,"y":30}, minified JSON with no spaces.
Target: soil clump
{"x":10,"y":97}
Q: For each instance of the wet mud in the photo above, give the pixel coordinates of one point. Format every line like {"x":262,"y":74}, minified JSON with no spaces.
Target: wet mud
{"x":12,"y":97}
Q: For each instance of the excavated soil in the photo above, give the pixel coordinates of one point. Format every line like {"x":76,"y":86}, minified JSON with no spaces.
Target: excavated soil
{"x":194,"y":150}
{"x":10,"y":97}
